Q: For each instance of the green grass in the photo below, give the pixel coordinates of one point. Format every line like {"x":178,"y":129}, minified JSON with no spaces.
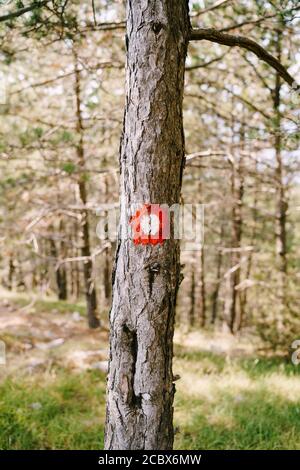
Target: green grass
{"x":61,"y":412}
{"x":49,"y":305}
{"x":259,"y":422}
{"x":236,"y":403}
{"x":220,"y":403}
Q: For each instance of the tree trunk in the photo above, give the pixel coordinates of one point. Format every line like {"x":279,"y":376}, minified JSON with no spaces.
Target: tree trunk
{"x":107,"y":275}
{"x":237,"y":180}
{"x":74,"y":267}
{"x":90,"y":291}
{"x":107,"y":256}
{"x":282,"y":205}
{"x":215,"y":294}
{"x":192,"y":294}
{"x":244,"y":293}
{"x":203,"y":290}
{"x":60,"y":273}
{"x":237,"y":192}
{"x":146,"y":277}
{"x":202,"y":316}
{"x":63,"y":270}
{"x":11,"y":272}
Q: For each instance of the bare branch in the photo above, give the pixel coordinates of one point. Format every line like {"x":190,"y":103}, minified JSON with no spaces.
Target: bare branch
{"x":208,"y":153}
{"x":218,"y":4}
{"x":214,"y":35}
{"x":205,"y":64}
{"x":257,"y":21}
{"x":22,"y":11}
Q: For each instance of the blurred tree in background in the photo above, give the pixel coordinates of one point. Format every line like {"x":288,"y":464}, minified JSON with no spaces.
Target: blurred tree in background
{"x":61,"y":116}
{"x":61,"y":113}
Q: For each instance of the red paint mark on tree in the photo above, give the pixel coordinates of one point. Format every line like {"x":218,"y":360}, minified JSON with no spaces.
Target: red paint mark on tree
{"x":150,"y":225}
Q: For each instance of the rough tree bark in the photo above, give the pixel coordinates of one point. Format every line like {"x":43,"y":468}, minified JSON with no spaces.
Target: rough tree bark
{"x":146,"y":278}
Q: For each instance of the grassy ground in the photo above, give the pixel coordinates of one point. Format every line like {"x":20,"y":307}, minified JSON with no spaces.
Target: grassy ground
{"x":54,"y":397}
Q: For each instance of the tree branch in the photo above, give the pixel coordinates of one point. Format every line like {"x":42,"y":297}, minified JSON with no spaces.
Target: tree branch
{"x":22,"y":11}
{"x":205,"y":64}
{"x":218,"y":4}
{"x":259,"y":20}
{"x":214,"y":35}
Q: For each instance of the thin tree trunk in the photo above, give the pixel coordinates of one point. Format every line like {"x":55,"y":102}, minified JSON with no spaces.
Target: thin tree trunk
{"x":74,"y":267}
{"x":203,"y":290}
{"x":146,"y":277}
{"x":107,"y":275}
{"x":107,"y":257}
{"x":215,"y":294}
{"x":282,"y":206}
{"x":60,"y":273}
{"x":62,"y":269}
{"x":11,"y":272}
{"x":237,"y":192}
{"x":237,"y":236}
{"x":192,"y":296}
{"x":243,"y":293}
{"x":90,"y":291}
{"x":202,"y":316}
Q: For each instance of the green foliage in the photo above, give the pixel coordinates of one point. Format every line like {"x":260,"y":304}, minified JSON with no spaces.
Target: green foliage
{"x":69,"y":167}
{"x":63,"y":136}
{"x":35,"y":17}
{"x":197,"y":6}
{"x":19,"y":4}
{"x":30,"y":136}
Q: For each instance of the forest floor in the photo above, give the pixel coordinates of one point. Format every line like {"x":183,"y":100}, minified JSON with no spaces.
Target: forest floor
{"x":52,"y":388}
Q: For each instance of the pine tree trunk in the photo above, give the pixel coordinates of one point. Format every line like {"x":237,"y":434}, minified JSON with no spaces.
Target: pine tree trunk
{"x":203,"y":289}
{"x":90,"y":291}
{"x":107,"y":256}
{"x":215,"y":294}
{"x":62,"y":268}
{"x":202,"y":316}
{"x":75,"y":273}
{"x":192,"y":296}
{"x":146,"y":278}
{"x":11,"y":272}
{"x":237,"y":191}
{"x":60,"y":273}
{"x":282,"y":205}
